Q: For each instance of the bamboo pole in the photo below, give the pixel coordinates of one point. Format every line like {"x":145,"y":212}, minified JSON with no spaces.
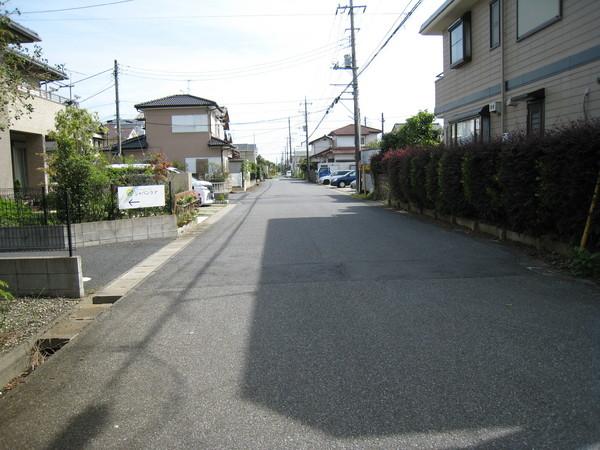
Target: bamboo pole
{"x":588,"y":222}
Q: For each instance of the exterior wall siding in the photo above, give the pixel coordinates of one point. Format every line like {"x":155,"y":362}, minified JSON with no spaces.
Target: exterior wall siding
{"x":551,"y":50}
{"x":176,"y":146}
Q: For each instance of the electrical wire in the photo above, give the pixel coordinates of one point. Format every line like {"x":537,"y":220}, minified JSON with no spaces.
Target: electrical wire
{"x":76,"y":7}
{"x":97,"y":93}
{"x":370,"y":60}
{"x":91,"y":76}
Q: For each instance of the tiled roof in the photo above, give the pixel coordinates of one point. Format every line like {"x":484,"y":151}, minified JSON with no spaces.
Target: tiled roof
{"x":216,"y":142}
{"x":135,"y":143}
{"x":175,"y":101}
{"x":348,"y":130}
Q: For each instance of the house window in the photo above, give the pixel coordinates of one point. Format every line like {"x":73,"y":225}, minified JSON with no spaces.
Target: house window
{"x":460,"y":41}
{"x":495,"y":24}
{"x":196,"y":123}
{"x":535,"y":117}
{"x":362,"y":140}
{"x":533,"y":15}
{"x":465,"y":131}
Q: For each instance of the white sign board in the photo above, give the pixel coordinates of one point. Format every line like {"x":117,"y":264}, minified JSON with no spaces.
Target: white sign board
{"x":132,"y":197}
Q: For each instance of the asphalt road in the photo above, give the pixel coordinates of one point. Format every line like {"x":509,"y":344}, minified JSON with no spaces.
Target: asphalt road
{"x":307,"y":319}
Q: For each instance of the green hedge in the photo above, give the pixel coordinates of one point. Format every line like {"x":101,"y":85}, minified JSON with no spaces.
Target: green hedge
{"x":540,"y":186}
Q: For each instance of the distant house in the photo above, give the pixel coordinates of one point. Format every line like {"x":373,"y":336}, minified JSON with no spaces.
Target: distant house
{"x":130,"y":128}
{"x":515,"y":65}
{"x":188,"y":129}
{"x":248,"y":152}
{"x":337,"y":148}
{"x":23,"y":145}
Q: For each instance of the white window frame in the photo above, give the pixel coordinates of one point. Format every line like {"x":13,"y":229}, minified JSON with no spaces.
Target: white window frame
{"x":189,"y":123}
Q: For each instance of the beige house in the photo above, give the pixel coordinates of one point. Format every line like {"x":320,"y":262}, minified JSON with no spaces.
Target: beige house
{"x":515,"y":65}
{"x":337,"y":148}
{"x":188,"y":129}
{"x":23,"y":144}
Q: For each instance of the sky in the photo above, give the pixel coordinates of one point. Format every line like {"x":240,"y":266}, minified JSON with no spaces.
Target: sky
{"x":258,"y":58}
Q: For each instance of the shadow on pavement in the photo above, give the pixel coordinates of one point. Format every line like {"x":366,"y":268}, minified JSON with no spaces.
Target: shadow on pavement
{"x":392,"y":335}
{"x":82,"y":429}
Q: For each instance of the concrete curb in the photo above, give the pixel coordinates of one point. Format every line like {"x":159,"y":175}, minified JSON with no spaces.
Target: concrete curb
{"x":67,"y":326}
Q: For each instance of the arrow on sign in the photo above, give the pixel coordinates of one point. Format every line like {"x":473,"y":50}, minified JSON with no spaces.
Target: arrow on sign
{"x":131,"y":202}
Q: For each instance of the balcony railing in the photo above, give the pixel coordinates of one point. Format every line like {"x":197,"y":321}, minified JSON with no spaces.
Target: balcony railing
{"x":48,"y":95}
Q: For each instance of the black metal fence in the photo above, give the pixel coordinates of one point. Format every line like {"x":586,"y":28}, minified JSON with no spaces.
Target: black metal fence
{"x":36,"y":219}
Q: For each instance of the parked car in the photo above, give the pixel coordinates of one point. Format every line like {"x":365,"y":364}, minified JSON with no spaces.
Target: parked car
{"x":327,"y":178}
{"x":288,"y":173}
{"x":344,"y":180}
{"x":204,"y":189}
{"x":353,"y":184}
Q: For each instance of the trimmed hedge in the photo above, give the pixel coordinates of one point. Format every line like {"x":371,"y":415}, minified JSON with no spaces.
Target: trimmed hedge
{"x":540,"y":186}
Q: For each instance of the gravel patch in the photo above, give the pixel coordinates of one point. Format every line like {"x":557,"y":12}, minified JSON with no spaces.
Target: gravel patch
{"x":22,"y":318}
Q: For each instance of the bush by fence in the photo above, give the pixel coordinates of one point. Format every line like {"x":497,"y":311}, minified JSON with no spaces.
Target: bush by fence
{"x":540,"y":186}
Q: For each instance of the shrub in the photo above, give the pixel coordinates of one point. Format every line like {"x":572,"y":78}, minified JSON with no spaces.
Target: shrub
{"x":518,"y":177}
{"x":418,"y":164}
{"x":431,"y":176}
{"x":567,"y":171}
{"x":480,"y":181}
{"x":451,"y":198}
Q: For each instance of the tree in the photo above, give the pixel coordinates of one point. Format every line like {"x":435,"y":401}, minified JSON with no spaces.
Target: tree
{"x":419,"y":130}
{"x":15,"y":102}
{"x":77,"y":168}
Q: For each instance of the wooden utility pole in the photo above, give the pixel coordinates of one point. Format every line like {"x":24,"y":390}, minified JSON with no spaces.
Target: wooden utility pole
{"x":119,"y":143}
{"x":306,"y":137}
{"x":382,"y":122}
{"x":290,"y":142}
{"x":357,"y":128}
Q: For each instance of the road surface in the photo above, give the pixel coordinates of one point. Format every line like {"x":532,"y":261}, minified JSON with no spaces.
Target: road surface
{"x":307,"y":319}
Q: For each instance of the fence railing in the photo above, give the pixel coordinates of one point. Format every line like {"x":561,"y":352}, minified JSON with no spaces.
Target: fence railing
{"x":34,"y":219}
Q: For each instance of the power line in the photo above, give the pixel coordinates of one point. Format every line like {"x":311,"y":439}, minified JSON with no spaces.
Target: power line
{"x":369,"y":61}
{"x":76,"y":7}
{"x":92,"y":76}
{"x":97,"y":93}
{"x":190,"y":17}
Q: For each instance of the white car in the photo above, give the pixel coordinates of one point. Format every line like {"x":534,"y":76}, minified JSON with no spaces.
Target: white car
{"x":288,"y":173}
{"x":204,"y":191}
{"x":338,"y":173}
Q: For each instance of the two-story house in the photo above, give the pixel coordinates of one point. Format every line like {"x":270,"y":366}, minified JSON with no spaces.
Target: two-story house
{"x":23,"y":143}
{"x":337,"y":150}
{"x":515,"y":65}
{"x":188,"y":129}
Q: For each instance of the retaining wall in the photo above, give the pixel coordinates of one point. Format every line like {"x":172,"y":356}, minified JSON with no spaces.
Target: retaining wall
{"x":47,"y":276}
{"x":124,"y":230}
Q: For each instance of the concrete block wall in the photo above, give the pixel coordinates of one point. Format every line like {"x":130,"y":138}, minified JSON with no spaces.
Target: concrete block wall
{"x":125,"y":230}
{"x":45,"y":276}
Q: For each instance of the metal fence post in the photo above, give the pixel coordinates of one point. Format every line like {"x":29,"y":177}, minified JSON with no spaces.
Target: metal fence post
{"x":171,"y":199}
{"x":45,"y":205}
{"x":68,"y":213}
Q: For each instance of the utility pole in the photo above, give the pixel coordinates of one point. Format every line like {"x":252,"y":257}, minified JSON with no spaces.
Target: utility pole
{"x":290,"y":142}
{"x":357,"y":130}
{"x":382,"y":122}
{"x":306,"y":138}
{"x":119,"y":143}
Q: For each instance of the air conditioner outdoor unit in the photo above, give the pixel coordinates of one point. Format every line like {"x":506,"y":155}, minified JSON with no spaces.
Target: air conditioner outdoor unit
{"x":495,"y":107}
